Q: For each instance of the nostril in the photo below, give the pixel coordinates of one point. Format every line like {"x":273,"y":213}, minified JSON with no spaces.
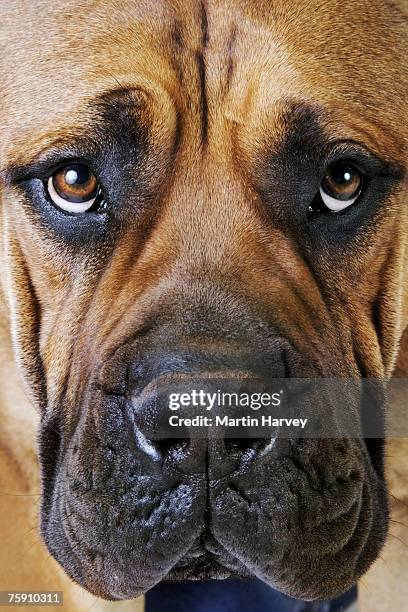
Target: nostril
{"x":169,"y":446}
{"x":243,"y":445}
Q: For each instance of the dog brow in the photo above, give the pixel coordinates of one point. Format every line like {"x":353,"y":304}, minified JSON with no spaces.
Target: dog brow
{"x":105,"y":113}
{"x":303,"y":124}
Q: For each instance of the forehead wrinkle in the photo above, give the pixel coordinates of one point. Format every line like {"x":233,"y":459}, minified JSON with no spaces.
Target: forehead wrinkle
{"x":278,"y":70}
{"x":231,"y":59}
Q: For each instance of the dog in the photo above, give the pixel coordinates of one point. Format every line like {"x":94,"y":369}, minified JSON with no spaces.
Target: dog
{"x":191,"y":188}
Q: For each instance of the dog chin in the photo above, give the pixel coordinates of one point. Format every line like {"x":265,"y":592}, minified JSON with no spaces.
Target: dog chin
{"x":205,"y":570}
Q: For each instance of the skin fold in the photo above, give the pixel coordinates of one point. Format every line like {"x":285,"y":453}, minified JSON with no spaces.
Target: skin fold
{"x":209,"y":126}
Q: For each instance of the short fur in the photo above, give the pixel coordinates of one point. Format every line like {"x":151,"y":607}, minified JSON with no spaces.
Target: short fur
{"x":208,"y":124}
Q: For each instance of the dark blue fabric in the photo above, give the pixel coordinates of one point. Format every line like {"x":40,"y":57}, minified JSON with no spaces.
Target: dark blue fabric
{"x":233,"y":596}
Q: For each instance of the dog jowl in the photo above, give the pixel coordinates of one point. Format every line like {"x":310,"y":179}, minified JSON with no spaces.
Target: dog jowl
{"x":196,"y":190}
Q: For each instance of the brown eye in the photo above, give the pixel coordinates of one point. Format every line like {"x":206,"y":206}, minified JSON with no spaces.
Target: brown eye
{"x":341,"y":186}
{"x":73,"y":188}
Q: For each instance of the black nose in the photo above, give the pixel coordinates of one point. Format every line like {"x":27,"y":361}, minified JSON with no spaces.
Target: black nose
{"x":201,"y":421}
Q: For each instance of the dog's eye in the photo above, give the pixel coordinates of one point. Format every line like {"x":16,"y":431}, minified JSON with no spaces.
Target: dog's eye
{"x":73,"y":188}
{"x":341,"y":186}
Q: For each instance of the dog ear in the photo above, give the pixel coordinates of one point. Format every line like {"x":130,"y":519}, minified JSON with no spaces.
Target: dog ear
{"x":401,"y":369}
{"x":404,"y":325}
{"x":22,"y":311}
{"x":380,"y":587}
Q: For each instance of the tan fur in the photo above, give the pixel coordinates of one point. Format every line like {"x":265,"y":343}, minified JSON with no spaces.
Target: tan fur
{"x":385,"y":587}
{"x":55,"y":313}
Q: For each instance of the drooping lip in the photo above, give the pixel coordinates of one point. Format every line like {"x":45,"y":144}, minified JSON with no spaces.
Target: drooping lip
{"x":207,"y":559}
{"x":206,"y":567}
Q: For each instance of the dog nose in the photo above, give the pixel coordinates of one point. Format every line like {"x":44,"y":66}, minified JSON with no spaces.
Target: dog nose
{"x":187,"y":423}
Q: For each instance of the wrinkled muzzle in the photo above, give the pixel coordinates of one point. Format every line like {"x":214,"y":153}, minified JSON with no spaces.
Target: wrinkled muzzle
{"x":156,"y":475}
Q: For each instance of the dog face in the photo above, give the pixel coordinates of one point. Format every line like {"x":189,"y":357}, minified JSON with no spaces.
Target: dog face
{"x":202,"y":187}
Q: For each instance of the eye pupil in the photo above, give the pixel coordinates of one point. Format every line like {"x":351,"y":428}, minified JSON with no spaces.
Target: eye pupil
{"x":74,"y":188}
{"x":341,"y":174}
{"x":78,"y":174}
{"x":342,"y":182}
{"x":75,"y":183}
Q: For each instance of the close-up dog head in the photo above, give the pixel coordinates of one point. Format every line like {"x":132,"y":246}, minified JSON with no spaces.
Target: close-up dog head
{"x":188,"y":189}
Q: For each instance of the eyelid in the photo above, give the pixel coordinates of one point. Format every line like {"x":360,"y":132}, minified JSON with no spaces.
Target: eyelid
{"x":48,"y":162}
{"x":363,"y":158}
